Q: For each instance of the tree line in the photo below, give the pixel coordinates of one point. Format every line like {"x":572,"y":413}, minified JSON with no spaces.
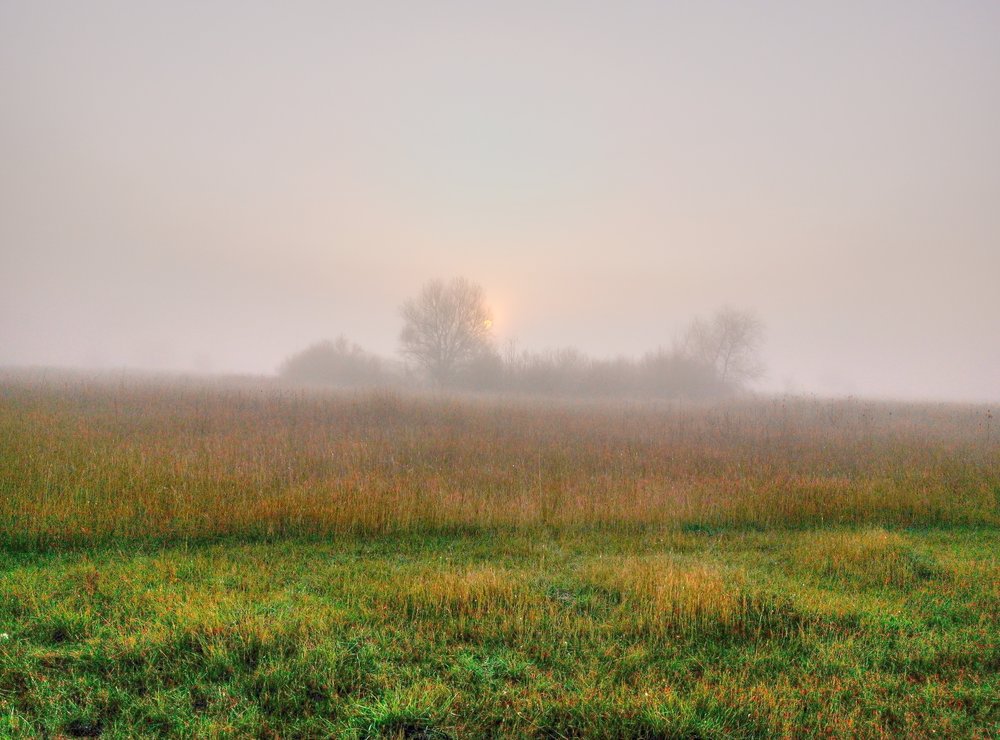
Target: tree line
{"x":447,"y":342}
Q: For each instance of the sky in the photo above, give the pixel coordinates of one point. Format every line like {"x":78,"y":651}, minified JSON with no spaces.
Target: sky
{"x":209,"y":187}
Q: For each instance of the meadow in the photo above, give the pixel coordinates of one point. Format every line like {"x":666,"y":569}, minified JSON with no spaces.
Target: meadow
{"x":233,"y":559}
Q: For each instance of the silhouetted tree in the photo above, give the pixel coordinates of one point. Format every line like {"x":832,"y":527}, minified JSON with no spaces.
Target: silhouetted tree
{"x":446,"y":327}
{"x":730,"y":343}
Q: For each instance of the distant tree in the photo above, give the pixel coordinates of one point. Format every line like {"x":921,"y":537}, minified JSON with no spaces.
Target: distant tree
{"x":446,"y":327}
{"x":730,"y":343}
{"x":674,"y":374}
{"x":335,"y":363}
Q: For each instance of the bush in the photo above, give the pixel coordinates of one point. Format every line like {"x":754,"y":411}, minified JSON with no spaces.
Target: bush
{"x":340,"y":363}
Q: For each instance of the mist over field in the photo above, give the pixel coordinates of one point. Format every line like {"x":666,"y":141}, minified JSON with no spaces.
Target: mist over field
{"x":499,"y":370}
{"x":213,"y":188}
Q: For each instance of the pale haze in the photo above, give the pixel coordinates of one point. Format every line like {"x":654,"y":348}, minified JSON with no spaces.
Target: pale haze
{"x":210,"y":187}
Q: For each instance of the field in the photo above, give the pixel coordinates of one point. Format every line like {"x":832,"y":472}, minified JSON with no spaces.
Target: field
{"x":240,"y":559}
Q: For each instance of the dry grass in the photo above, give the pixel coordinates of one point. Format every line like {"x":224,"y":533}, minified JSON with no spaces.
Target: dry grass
{"x":84,"y":461}
{"x":873,"y":557}
{"x":660,"y":596}
{"x":470,"y":593}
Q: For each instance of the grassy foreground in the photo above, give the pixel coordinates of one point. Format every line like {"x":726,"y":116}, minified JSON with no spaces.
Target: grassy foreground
{"x":847,"y":632}
{"x":186,"y":560}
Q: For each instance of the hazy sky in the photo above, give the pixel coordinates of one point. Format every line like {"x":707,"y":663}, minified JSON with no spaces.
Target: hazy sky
{"x":214,"y":185}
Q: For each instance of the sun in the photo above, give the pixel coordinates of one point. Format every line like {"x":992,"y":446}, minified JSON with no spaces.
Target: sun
{"x":488,"y":324}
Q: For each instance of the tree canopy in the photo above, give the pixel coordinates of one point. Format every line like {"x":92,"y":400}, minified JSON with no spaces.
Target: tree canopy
{"x":446,"y":326}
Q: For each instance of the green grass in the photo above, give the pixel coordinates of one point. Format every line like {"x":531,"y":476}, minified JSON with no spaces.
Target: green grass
{"x":535,"y":634}
{"x":248,"y":561}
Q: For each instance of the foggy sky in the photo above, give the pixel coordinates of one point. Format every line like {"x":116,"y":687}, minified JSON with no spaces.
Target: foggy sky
{"x":212,"y":186}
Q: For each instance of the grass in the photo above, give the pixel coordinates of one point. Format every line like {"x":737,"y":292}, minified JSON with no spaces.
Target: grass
{"x":85,"y":463}
{"x":187,"y":560}
{"x":556,"y":635}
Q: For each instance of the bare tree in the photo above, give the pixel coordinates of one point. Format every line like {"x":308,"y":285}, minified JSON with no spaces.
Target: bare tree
{"x":445,"y":327}
{"x":729,"y":343}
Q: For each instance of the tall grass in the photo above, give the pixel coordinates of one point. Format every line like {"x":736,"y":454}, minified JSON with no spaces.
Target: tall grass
{"x":661,"y":597}
{"x":86,"y":461}
{"x":873,"y":557}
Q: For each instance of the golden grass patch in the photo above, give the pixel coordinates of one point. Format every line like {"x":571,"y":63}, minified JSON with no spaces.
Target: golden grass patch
{"x":469,"y":592}
{"x":660,"y":596}
{"x":873,"y":557}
